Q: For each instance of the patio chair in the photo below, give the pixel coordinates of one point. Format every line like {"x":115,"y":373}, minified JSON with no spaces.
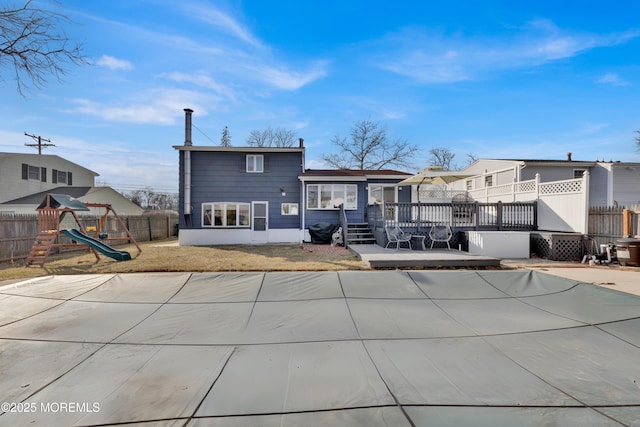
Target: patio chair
{"x":440,"y":233}
{"x":397,"y":236}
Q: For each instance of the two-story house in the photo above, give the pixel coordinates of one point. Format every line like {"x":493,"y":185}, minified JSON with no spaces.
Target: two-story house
{"x":250,"y":195}
{"x":23,"y":174}
{"x":239,"y":195}
{"x":25,"y":180}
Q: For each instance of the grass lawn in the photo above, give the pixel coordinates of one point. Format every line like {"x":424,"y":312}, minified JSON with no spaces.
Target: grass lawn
{"x":166,"y":255}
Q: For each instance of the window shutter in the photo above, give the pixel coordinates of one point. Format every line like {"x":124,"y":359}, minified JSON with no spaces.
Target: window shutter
{"x":69,"y":180}
{"x":25,"y":171}
{"x":54,"y":176}
{"x":43,"y":174}
{"x":265,"y":165}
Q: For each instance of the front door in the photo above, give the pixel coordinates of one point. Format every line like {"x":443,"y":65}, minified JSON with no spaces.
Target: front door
{"x":259,"y":221}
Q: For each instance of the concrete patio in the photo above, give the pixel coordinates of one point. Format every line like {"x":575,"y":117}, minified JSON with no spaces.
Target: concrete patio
{"x":379,"y":257}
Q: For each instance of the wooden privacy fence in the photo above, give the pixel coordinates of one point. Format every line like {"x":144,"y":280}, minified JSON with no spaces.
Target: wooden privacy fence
{"x":18,"y":232}
{"x":607,"y":224}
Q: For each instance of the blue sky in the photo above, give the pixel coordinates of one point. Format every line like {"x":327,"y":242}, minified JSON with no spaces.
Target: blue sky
{"x":499,"y":79}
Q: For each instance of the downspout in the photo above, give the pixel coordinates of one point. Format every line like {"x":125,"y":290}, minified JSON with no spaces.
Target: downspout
{"x":187,"y":167}
{"x":302,"y":207}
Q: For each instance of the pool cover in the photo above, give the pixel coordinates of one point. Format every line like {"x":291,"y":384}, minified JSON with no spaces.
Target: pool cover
{"x":383,"y":348}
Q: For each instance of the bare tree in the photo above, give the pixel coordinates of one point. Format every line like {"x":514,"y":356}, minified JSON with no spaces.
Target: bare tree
{"x":33,"y":45}
{"x":471,"y":158}
{"x":441,"y":157}
{"x":149,"y":199}
{"x":637,"y":139}
{"x":225,"y":139}
{"x":269,"y":137}
{"x":369,"y":148}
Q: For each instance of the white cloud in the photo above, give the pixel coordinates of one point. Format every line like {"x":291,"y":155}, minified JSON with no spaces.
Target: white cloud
{"x":202,"y":80}
{"x":431,"y":57}
{"x":220,"y":20}
{"x":612,"y":79}
{"x":159,"y":106}
{"x":114,"y":63}
{"x":281,"y":77}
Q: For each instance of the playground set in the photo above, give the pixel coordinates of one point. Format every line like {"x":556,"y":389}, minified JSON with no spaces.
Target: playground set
{"x":50,"y":215}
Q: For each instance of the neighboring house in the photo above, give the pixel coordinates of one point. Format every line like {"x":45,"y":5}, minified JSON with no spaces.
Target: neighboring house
{"x":25,"y":180}
{"x":564,"y":189}
{"x":107,"y":195}
{"x":610,"y":183}
{"x":23,"y":174}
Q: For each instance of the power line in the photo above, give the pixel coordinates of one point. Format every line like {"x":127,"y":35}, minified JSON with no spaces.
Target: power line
{"x":205,"y":135}
{"x":133,"y":187}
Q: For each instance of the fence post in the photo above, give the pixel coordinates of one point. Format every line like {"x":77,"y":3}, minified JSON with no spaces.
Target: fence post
{"x":626,"y":222}
{"x":476,"y":216}
{"x":537,"y":182}
{"x":499,"y":215}
{"x":585,"y":192}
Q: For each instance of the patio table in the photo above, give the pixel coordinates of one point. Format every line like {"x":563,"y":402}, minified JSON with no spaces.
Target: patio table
{"x":420,"y":240}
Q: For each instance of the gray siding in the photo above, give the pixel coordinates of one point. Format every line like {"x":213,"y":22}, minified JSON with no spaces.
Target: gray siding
{"x":549,"y":173}
{"x":626,"y":185}
{"x":598,"y":179}
{"x":222,"y":177}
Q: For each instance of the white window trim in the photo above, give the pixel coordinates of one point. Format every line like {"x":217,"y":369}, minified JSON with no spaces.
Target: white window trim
{"x":371,"y":187}
{"x":251,"y":161}
{"x":333,"y":188}
{"x":237,"y":206}
{"x":289,"y":211}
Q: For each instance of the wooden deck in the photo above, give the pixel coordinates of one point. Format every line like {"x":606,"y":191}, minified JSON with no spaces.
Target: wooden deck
{"x":379,"y":257}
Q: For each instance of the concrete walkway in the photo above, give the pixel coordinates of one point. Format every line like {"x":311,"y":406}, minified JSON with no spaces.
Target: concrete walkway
{"x":612,"y":278}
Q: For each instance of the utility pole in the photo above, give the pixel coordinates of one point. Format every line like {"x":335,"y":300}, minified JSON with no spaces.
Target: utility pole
{"x":40,"y":145}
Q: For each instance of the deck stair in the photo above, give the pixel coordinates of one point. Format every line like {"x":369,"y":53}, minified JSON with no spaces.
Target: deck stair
{"x":42,"y":247}
{"x":359,"y":233}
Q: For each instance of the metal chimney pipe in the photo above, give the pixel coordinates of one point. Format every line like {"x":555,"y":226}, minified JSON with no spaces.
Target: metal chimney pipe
{"x":187,"y":163}
{"x":187,"y":126}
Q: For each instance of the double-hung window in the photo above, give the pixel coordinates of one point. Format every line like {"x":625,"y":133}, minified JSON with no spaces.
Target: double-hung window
{"x":255,"y":163}
{"x":61,"y":177}
{"x":35,"y":173}
{"x":331,"y":196}
{"x":227,"y":214}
